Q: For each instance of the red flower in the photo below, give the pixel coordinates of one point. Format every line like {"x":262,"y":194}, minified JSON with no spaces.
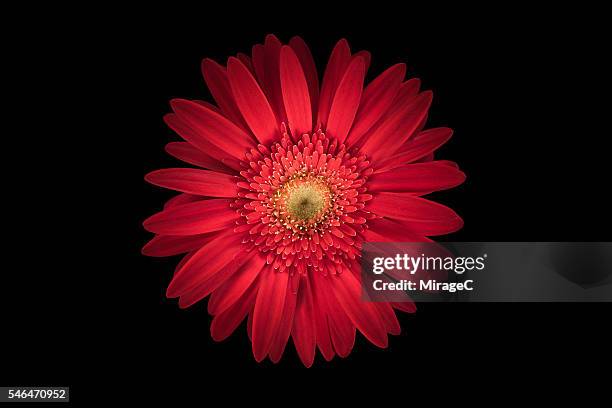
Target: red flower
{"x":296,"y":178}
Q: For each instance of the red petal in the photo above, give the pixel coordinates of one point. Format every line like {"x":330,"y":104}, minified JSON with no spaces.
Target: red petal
{"x":246,"y":60}
{"x":252,"y":102}
{"x":196,"y":139}
{"x":208,"y":105}
{"x":405,"y":97}
{"x":226,"y":322}
{"x":272,"y":48}
{"x":418,"y":178}
{"x":303,"y":331}
{"x":384,"y":230}
{"x":376,"y":100}
{"x":346,"y":101}
{"x":284,"y":328}
{"x":389,"y":319}
{"x":295,"y":93}
{"x":416,"y":214}
{"x":364,"y":315}
{"x":168,"y":245}
{"x":430,"y":228}
{"x":209,"y":284}
{"x":195,"y":181}
{"x":412,"y":123}
{"x":338,"y":62}
{"x":383,"y":140}
{"x":421,"y":145}
{"x":189,"y":154}
{"x":259,"y":57}
{"x":408,"y":307}
{"x":221,"y":253}
{"x":268,"y":310}
{"x":366,"y":56}
{"x":447,"y":163}
{"x":216,"y":79}
{"x":310,"y":71}
{"x":183,"y":261}
{"x":233,"y":289}
{"x":323,"y":338}
{"x":182,"y":199}
{"x":403,"y":100}
{"x":212,"y":128}
{"x":408,"y":89}
{"x":193,"y":218}
{"x":341,"y":329}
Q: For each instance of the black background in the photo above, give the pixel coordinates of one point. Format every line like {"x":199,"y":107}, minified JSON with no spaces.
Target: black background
{"x":517,"y":87}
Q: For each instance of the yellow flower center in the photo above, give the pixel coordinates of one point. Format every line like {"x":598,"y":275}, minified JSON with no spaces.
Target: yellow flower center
{"x":303,"y":202}
{"x":306,"y":200}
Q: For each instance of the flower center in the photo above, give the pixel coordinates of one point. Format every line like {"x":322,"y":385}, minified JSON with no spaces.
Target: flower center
{"x":305,"y":200}
{"x":302,"y":201}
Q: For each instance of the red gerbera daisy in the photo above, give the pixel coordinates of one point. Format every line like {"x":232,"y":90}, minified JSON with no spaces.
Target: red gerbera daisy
{"x":295,"y":178}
